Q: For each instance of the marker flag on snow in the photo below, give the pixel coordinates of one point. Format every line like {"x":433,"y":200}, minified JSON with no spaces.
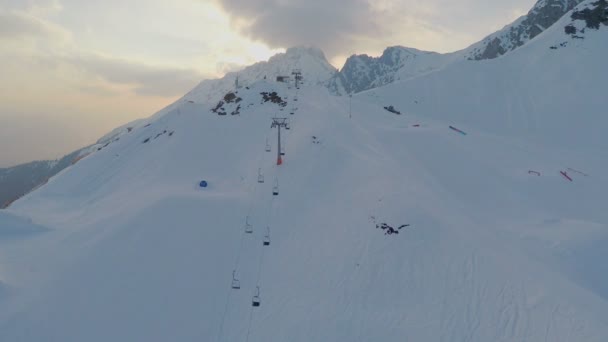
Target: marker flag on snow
{"x":457,"y":130}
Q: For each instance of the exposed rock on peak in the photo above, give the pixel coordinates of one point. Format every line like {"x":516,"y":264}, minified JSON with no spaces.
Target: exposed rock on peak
{"x":543,"y":15}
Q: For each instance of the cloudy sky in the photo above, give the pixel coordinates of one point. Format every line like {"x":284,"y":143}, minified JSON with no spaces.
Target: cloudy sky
{"x":71,"y":70}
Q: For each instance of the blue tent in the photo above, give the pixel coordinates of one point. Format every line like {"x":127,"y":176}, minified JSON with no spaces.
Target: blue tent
{"x":203,"y":184}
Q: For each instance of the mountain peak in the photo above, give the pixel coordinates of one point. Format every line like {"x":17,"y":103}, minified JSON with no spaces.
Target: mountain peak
{"x":362,"y":72}
{"x":544,"y":14}
{"x":306,"y":51}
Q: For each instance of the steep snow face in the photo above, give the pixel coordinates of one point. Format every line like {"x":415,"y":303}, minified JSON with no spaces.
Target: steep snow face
{"x":542,"y":16}
{"x":361,"y":72}
{"x":309,"y":60}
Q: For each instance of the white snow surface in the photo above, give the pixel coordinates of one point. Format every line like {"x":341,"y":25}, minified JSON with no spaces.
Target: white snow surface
{"x":125,"y":245}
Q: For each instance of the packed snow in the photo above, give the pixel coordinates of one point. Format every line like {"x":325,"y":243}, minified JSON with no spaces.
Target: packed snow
{"x":491,"y":241}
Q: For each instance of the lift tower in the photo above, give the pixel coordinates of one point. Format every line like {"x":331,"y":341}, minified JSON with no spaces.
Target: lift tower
{"x":298,"y":76}
{"x":278,"y":123}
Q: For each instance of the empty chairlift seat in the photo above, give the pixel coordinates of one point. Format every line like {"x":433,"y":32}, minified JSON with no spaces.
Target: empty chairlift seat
{"x":248,"y":226}
{"x":275,"y":187}
{"x":236,"y":284}
{"x":260,"y":176}
{"x":255,"y":301}
{"x":267,"y":146}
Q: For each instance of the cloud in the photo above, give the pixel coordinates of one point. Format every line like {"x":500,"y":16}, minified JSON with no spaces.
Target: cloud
{"x":330,"y":24}
{"x":145,"y":79}
{"x":16,"y":25}
{"x":342,"y":27}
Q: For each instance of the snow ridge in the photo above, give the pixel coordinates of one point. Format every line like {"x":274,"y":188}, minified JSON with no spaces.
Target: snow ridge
{"x":542,"y":16}
{"x":362,"y":72}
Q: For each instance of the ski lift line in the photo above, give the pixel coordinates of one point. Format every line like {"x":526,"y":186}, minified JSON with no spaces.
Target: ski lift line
{"x":220,"y":334}
{"x":260,"y":162}
{"x":249,"y":325}
{"x":239,"y":254}
{"x":260,"y":265}
{"x":259,"y":274}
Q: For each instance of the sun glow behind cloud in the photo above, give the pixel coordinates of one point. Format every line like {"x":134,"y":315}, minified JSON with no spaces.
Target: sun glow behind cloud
{"x":85,"y":67}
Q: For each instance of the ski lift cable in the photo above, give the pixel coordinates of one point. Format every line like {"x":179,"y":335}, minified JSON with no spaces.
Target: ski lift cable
{"x":269,"y":220}
{"x":260,"y":267}
{"x":239,"y":253}
{"x":220,"y":334}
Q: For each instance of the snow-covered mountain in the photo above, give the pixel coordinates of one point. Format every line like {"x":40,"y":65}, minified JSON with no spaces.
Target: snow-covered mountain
{"x":318,"y":72}
{"x":17,"y":181}
{"x":548,"y":91}
{"x":477,"y":214}
{"x":362,"y":72}
{"x":542,"y":16}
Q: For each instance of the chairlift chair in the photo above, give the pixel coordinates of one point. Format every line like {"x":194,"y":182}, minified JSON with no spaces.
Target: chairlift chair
{"x":236,"y":284}
{"x":267,"y":237}
{"x":282,"y":151}
{"x":267,"y":146}
{"x":255,"y":301}
{"x":275,"y":188}
{"x":248,"y":226}
{"x":260,"y":176}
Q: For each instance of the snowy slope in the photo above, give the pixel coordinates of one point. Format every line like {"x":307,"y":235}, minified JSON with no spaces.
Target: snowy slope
{"x":132,"y":249}
{"x":551,"y":91}
{"x":19,"y":180}
{"x":139,"y":253}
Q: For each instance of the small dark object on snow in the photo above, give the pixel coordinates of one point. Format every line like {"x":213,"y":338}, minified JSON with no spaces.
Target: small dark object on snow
{"x":147,"y":140}
{"x":392,"y":110}
{"x":273,"y":97}
{"x":388,"y":230}
{"x":457,"y":130}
